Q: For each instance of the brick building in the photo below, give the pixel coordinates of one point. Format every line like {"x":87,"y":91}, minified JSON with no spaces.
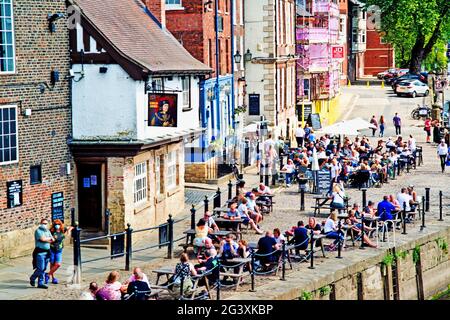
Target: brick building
{"x":205,"y":29}
{"x":135,"y":105}
{"x":379,"y":56}
{"x":35,"y":120}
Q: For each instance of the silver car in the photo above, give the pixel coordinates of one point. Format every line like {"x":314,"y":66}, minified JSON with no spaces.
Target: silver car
{"x":412,"y":88}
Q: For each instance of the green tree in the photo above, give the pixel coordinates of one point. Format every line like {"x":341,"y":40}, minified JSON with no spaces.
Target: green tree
{"x":413,"y":27}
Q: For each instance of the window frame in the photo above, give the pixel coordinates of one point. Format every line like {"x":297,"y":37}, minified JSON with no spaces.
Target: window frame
{"x":186,"y":90}
{"x":174,"y":6}
{"x":142,"y":177}
{"x":158,"y":184}
{"x":172,"y":161}
{"x":3,"y":163}
{"x":39,"y":167}
{"x":13,"y":42}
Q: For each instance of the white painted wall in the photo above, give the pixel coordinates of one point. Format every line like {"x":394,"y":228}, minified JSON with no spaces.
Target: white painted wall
{"x":104,"y":104}
{"x":114,"y":105}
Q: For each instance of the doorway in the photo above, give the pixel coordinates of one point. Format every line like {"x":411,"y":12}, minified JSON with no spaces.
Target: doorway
{"x":90,"y":196}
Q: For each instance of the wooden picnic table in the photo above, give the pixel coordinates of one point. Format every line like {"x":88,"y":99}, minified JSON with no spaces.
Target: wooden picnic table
{"x":165,"y":271}
{"x":230,"y":270}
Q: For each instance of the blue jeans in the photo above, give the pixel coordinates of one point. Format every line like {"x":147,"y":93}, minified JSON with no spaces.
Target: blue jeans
{"x":289,"y":177}
{"x":42,"y":260}
{"x":335,"y":235}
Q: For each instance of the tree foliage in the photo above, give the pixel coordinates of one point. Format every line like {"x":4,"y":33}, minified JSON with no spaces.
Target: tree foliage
{"x":413,"y":27}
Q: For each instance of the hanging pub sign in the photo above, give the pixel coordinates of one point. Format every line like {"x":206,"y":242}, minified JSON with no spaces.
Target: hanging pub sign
{"x":58,"y":206}
{"x":162,"y":110}
{"x":14,"y":193}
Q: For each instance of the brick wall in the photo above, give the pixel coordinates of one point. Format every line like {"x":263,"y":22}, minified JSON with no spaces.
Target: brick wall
{"x":42,"y":136}
{"x":195,"y":29}
{"x":378,"y":56}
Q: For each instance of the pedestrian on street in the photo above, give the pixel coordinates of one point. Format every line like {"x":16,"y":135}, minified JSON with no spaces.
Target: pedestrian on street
{"x":59,"y":233}
{"x":442,"y":152}
{"x":300,"y":136}
{"x":398,"y":124}
{"x":427,"y":128}
{"x":41,"y":254}
{"x":375,"y":123}
{"x":436,"y":135}
{"x":382,"y":125}
{"x":307,"y":132}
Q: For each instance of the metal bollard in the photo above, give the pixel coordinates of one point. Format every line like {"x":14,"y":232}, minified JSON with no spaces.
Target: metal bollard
{"x":230,"y":190}
{"x":218,"y":280}
{"x":252,"y":255}
{"x":302,"y":199}
{"x":384,"y":228}
{"x":312,"y":250}
{"x":393,"y":173}
{"x":129,"y":251}
{"x":364,"y":198}
{"x":237,"y":188}
{"x":193,"y":211}
{"x":362,"y":232}
{"x":76,"y":254}
{"x":427,"y":198}
{"x":440,"y":206}
{"x":217,"y":199}
{"x":107,"y":221}
{"x":283,"y":270}
{"x":404,"y":218}
{"x":423,"y":215}
{"x":170,"y":236}
{"x":339,"y":238}
{"x":266,"y":176}
{"x":398,"y":167}
{"x":206,"y":202}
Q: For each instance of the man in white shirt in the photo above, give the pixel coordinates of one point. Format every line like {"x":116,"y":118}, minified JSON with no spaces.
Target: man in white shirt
{"x":412,"y":143}
{"x":300,"y":136}
{"x":404,"y":198}
{"x":269,"y":142}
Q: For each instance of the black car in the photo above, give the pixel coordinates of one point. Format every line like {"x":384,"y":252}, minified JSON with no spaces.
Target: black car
{"x":408,"y":76}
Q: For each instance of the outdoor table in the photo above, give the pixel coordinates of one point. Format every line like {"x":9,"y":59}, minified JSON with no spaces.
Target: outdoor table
{"x":230,"y":270}
{"x":221,"y":233}
{"x":165,"y":271}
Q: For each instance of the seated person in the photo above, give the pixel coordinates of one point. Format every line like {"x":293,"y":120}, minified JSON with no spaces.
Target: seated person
{"x":267,"y":249}
{"x":243,"y":251}
{"x":245,"y":215}
{"x":356,"y":228}
{"x":92,"y":293}
{"x":232,"y":212}
{"x":338,"y":198}
{"x":209,"y":247}
{"x":132,"y":278}
{"x":415,"y":200}
{"x":370,"y":211}
{"x":253,"y":208}
{"x":314,"y":225}
{"x":279,"y":238}
{"x":210,"y":221}
{"x":263,"y":191}
{"x":289,"y":170}
{"x":183,"y":271}
{"x":301,"y":237}
{"x":405,"y":200}
{"x":385,"y":209}
{"x":209,"y":267}
{"x":228,"y":248}
{"x":331,"y":230}
{"x":201,"y":234}
{"x":138,"y":289}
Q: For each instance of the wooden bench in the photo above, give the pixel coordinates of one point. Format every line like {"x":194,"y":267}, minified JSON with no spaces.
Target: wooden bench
{"x":239,"y":276}
{"x":318,"y":208}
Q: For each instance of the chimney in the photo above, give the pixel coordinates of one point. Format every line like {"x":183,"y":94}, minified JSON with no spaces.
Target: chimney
{"x":158,"y":9}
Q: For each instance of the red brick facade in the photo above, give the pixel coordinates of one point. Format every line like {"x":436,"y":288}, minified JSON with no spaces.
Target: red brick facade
{"x":194,"y":28}
{"x":42,"y":137}
{"x":157,"y":8}
{"x":378,"y":56}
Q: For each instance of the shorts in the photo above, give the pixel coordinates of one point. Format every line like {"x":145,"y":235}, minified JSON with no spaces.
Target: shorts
{"x":246,"y":221}
{"x":55,"y":256}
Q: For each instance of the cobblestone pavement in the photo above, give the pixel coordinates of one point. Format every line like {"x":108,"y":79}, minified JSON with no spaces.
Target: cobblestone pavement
{"x":286,"y":213}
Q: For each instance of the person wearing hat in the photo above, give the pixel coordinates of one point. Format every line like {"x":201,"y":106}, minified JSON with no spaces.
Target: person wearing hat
{"x":162,"y":118}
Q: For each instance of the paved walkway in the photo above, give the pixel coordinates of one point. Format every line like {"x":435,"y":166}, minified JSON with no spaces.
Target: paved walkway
{"x":14,"y":274}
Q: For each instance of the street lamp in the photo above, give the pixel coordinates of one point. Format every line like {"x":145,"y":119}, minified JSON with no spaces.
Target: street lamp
{"x":237,"y":57}
{"x":248,"y":56}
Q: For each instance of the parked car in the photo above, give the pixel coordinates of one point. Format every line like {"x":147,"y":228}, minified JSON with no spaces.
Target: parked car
{"x":412,"y":88}
{"x":386,"y":73}
{"x":406,"y":77}
{"x":401,"y":72}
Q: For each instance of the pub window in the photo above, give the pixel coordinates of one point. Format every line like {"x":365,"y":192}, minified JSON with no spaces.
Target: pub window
{"x":140,"y":182}
{"x":186,"y":88}
{"x":171,"y":170}
{"x":35,"y":174}
{"x":158,"y":172}
{"x":173,"y":4}
{"x":8,"y":135}
{"x":7,"y":60}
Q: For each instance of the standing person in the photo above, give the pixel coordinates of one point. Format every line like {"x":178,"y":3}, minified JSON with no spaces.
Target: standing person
{"x":269,"y":142}
{"x":375,"y":123}
{"x":300,"y":136}
{"x":307,"y":132}
{"x":442,"y":152}
{"x":382,"y":125}
{"x":41,"y":254}
{"x":258,"y":157}
{"x":436,"y":135}
{"x":397,"y":124}
{"x":427,"y":129}
{"x":56,"y":248}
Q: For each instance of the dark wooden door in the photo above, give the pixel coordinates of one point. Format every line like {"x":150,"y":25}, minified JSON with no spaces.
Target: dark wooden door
{"x":90,"y":196}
